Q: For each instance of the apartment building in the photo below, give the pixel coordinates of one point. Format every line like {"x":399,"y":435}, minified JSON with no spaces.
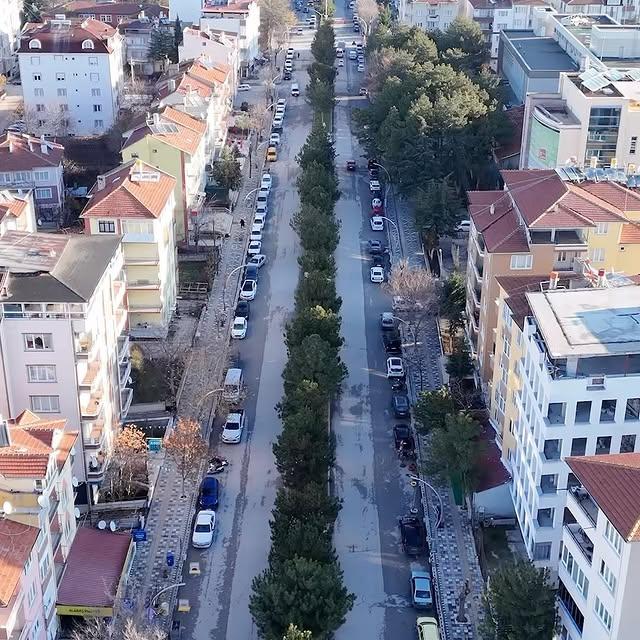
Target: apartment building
{"x":112,"y":12}
{"x":137,"y":201}
{"x":430,"y":15}
{"x":579,"y":395}
{"x":63,"y":341}
{"x":175,"y":143}
{"x":213,"y":46}
{"x":598,"y":578}
{"x":138,"y":35}
{"x":38,"y":524}
{"x":17,"y":212}
{"x":72,"y":76}
{"x":623,"y":11}
{"x":9,"y":32}
{"x":542,"y":222}
{"x":29,"y":163}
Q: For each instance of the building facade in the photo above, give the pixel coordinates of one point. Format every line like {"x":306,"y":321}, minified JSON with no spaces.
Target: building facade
{"x":137,"y":202}
{"x":72,"y":76}
{"x":9,"y":32}
{"x":437,"y":14}
{"x":63,"y":341}
{"x":212,"y":46}
{"x":17,"y":212}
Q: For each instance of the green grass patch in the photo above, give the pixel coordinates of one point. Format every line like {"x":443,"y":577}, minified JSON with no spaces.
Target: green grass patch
{"x":496,"y":548}
{"x":192,"y":272}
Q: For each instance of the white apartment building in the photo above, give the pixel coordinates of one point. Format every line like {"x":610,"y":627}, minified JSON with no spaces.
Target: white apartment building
{"x":38,"y":525}
{"x":137,"y":201}
{"x":598,"y":575}
{"x":213,"y":46}
{"x":17,"y":212}
{"x":624,"y":11}
{"x":63,"y":345}
{"x":72,"y":76}
{"x":9,"y":31}
{"x":430,"y":15}
{"x":579,"y":395}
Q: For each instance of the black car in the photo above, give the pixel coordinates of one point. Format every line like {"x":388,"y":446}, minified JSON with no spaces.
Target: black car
{"x":209,"y":493}
{"x":404,"y":441}
{"x":286,"y":75}
{"x":398,"y":384}
{"x":242,"y":309}
{"x":374,"y":173}
{"x":400,"y":405}
{"x":414,"y":535}
{"x":392,"y":342}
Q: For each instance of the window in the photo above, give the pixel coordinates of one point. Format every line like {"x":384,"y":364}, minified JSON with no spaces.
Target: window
{"x":597,"y":255}
{"x":608,"y":576}
{"x":105,"y":18}
{"x":41,"y":372}
{"x":62,"y":93}
{"x":60,"y":76}
{"x":95,"y":93}
{"x":40,"y":108}
{"x":603,"y":614}
{"x":38,"y":342}
{"x":570,"y":605}
{"x":35,"y":61}
{"x":44,"y":567}
{"x":98,"y":124}
{"x":41,"y":123}
{"x":522,"y":261}
{"x":542,"y":551}
{"x":632,"y":410}
{"x":33,"y":634}
{"x":613,"y":537}
{"x":578,"y":446}
{"x":577,"y":575}
{"x":94,"y":77}
{"x":603,"y":445}
{"x":628,"y":443}
{"x":35,"y":44}
{"x":97,"y":108}
{"x":633,"y":144}
{"x":602,"y":228}
{"x":45,"y":404}
{"x":88,"y":44}
{"x":44,"y":194}
{"x":128,"y":226}
{"x":64,"y":107}
{"x":41,"y":176}
{"x":106,"y":226}
{"x":38,"y":92}
{"x":31,"y":594}
{"x":37,"y":77}
{"x":93,"y":61}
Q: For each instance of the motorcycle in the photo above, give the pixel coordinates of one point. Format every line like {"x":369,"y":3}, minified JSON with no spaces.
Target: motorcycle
{"x":217,"y":465}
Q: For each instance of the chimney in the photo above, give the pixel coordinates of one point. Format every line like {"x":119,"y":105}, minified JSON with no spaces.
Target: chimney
{"x":10,"y":137}
{"x":101,"y":183}
{"x":553,"y":280}
{"x":492,"y":209}
{"x":172,"y":84}
{"x":602,"y":278}
{"x":43,"y":146}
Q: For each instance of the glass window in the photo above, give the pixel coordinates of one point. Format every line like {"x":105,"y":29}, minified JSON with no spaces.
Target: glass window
{"x":578,"y":446}
{"x":596,"y":255}
{"x":37,"y":77}
{"x":106,"y":226}
{"x":603,"y":445}
{"x":602,"y":135}
{"x":613,"y":537}
{"x":62,"y":92}
{"x":603,"y":614}
{"x":45,"y":404}
{"x":41,"y":373}
{"x":602,"y":228}
{"x":60,"y":76}
{"x":38,"y":92}
{"x":522,"y":261}
{"x":44,"y":194}
{"x":40,"y":176}
{"x":608,"y":576}
{"x":628,"y":443}
{"x":95,"y":93}
{"x":633,"y":145}
{"x":38,"y":342}
{"x":97,"y":108}
{"x":94,"y":77}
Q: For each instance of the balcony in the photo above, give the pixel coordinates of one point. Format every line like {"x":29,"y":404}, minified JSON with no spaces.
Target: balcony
{"x":121,"y":320}
{"x":544,"y":517}
{"x":581,"y":539}
{"x":92,"y":408}
{"x":556,"y":413}
{"x":583,"y":500}
{"x":478,"y":270}
{"x":125,"y":371}
{"x":145,"y":307}
{"x":141,"y":261}
{"x":143,"y":284}
{"x":119,"y":289}
{"x":93,"y":431}
{"x":551,"y":450}
{"x":476,"y":294}
{"x":96,"y":468}
{"x":126,"y":396}
{"x":123,"y":347}
{"x":478,"y":241}
{"x":84,"y":346}
{"x":90,"y":378}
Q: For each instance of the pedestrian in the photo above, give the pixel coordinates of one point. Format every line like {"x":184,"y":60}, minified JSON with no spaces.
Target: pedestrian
{"x":242,"y":223}
{"x":298,"y":55}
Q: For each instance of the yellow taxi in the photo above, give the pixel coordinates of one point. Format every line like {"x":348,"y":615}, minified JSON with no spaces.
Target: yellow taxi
{"x":272,"y":154}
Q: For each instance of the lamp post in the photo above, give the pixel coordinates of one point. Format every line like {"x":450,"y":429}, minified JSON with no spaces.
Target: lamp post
{"x":393,"y":193}
{"x":171,"y":586}
{"x":414,"y":481}
{"x":226,"y":282}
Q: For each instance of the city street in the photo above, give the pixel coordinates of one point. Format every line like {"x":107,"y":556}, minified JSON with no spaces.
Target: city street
{"x":219,"y":597}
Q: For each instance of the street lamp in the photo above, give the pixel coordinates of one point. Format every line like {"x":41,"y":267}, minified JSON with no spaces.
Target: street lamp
{"x":393,"y":193}
{"x":171,"y":586}
{"x":414,"y":481}
{"x":226,"y":282}
{"x":250,"y":192}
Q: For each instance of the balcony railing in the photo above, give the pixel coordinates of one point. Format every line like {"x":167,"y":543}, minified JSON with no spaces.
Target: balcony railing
{"x":123,"y":347}
{"x":125,"y":372}
{"x":581,"y":539}
{"x":143,"y":284}
{"x":92,"y":408}
{"x":126,"y":396}
{"x":93,"y":433}
{"x":96,"y":469}
{"x":582,"y":498}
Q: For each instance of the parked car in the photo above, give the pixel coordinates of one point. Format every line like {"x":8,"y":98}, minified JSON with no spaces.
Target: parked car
{"x":244,"y":87}
{"x":258,"y":260}
{"x":374,"y":185}
{"x":282,"y":102}
{"x":256,"y":233}
{"x":233,"y":427}
{"x":464,"y":226}
{"x":242,"y":309}
{"x":375,"y":247}
{"x":274,"y":140}
{"x":427,"y":628}
{"x":402,"y":436}
{"x":276,"y":125}
{"x":377,"y":223}
{"x":286,"y":75}
{"x":267,"y":181}
{"x":363,"y":91}
{"x":239,"y":328}
{"x":262,"y":208}
{"x":341,"y":62}
{"x":387,"y":321}
{"x":413,"y":535}
{"x":377,"y":275}
{"x":360,"y":68}
{"x":351,"y":165}
{"x":209,"y":493}
{"x":398,"y":384}
{"x":249,"y":290}
{"x":421,"y":595}
{"x":400,"y":405}
{"x":376,"y":204}
{"x":395,"y":367}
{"x":258,"y":221}
{"x":203,"y":529}
{"x":352,"y":54}
{"x":272,"y":154}
{"x":392,"y":342}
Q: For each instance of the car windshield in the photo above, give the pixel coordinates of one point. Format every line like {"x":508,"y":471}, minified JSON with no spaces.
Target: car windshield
{"x":422,"y":595}
{"x":203,"y":528}
{"x":248,"y":286}
{"x":231,"y":426}
{"x":238,"y":325}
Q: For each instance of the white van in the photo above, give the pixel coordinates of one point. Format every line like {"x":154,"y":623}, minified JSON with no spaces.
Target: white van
{"x":295,"y":89}
{"x":233,"y":383}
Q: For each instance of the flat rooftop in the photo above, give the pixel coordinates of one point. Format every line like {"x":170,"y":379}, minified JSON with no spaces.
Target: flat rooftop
{"x":539,"y":53}
{"x":559,"y":113}
{"x":588,"y":322}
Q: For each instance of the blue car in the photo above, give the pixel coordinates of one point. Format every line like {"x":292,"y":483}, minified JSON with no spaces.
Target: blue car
{"x":209,"y":493}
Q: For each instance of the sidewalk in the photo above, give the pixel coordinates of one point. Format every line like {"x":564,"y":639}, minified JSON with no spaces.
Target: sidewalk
{"x":455,"y":561}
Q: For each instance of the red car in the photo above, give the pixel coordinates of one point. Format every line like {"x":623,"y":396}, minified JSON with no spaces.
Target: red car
{"x":351,"y":165}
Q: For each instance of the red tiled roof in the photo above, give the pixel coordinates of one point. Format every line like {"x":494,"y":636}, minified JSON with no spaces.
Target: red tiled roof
{"x":562,"y":216}
{"x":122,"y":197}
{"x":16,"y":543}
{"x":91,"y":579}
{"x":534,"y":191}
{"x":614,"y":194}
{"x":210,"y":73}
{"x":14,"y":207}
{"x":613,"y":482}
{"x":22,"y":152}
{"x":117,"y":8}
{"x":630,"y":233}
{"x":67,"y":38}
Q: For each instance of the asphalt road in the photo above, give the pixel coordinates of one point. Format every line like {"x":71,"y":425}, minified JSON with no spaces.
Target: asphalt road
{"x":369,"y":477}
{"x":219,"y":597}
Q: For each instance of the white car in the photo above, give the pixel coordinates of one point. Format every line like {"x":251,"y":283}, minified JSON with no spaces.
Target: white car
{"x":360,"y":68}
{"x":395,"y":367}
{"x":274,"y":140}
{"x":254,"y":247}
{"x":299,"y":31}
{"x":258,"y":222}
{"x":340,"y":62}
{"x":256,"y":233}
{"x":277,"y":122}
{"x":239,"y":328}
{"x":263,"y":194}
{"x":244,"y":87}
{"x":464,"y":226}
{"x":282,"y":102}
{"x":266,"y":182}
{"x":258,"y":260}
{"x":261,"y":207}
{"x":203,"y":529}
{"x":249,"y":290}
{"x":377,"y":223}
{"x":352,"y":54}
{"x":290,"y":50}
{"x":377,"y":275}
{"x":280,"y":112}
{"x":374,"y":185}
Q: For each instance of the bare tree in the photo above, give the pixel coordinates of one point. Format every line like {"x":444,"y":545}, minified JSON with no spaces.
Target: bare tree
{"x":99,"y":629}
{"x":127,"y":473}
{"x":368,"y":11}
{"x":276,"y":17}
{"x":187,"y":448}
{"x":49,"y":119}
{"x":174,"y":355}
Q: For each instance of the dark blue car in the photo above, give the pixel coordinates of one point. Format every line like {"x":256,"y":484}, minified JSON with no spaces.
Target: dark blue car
{"x":209,"y":493}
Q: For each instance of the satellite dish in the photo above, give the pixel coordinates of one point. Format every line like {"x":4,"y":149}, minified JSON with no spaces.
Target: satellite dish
{"x":76,"y":512}
{"x":102,"y":525}
{"x":112,"y":526}
{"x":43,"y":501}
{"x":7,"y":507}
{"x":74,"y":481}
{"x":39,"y":221}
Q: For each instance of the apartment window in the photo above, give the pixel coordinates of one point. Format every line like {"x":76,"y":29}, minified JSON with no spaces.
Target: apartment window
{"x":41,"y":176}
{"x":38,"y":92}
{"x":88,"y":44}
{"x":542,"y":551}
{"x":608,"y":411}
{"x":64,"y":107}
{"x":40,"y":108}
{"x":570,"y":605}
{"x":613,"y":537}
{"x":44,"y":566}
{"x":129,"y":226}
{"x":95,"y":93}
{"x":41,"y":372}
{"x":44,"y":194}
{"x":628,"y":443}
{"x":35,"y":61}
{"x":578,"y":446}
{"x":608,"y":576}
{"x":633,"y":144}
{"x":38,"y":342}
{"x":45,"y":404}
{"x":98,"y":124}
{"x":597,"y":255}
{"x":106,"y":226}
{"x":573,"y":569}
{"x":33,"y":634}
{"x":583,"y":411}
{"x":97,"y":108}
{"x":62,"y":92}
{"x":31,"y":594}
{"x":522,"y":261}
{"x":94,"y":77}
{"x":93,"y":61}
{"x":41,"y":123}
{"x":60,"y":76}
{"x":603,"y":445}
{"x":602,"y":228}
{"x":632,"y":411}
{"x":105,"y":18}
{"x":603,"y":614}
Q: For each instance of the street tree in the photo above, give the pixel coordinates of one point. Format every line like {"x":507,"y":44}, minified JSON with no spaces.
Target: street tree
{"x":323,"y":48}
{"x":519,"y":603}
{"x":314,"y":320}
{"x":303,"y":592}
{"x":432,"y":408}
{"x":276,"y":17}
{"x":316,"y":234}
{"x":459,"y":363}
{"x":307,"y":537}
{"x":368,"y":12}
{"x":293,"y":633}
{"x":226,"y":171}
{"x":317,"y":149}
{"x":187,"y":449}
{"x":316,"y":177}
{"x":320,"y":96}
{"x":127,"y":472}
{"x":307,"y":501}
{"x":317,"y":288}
{"x":127,"y":629}
{"x":32,"y":11}
{"x":162,"y":46}
{"x":455,"y":450}
{"x":463,"y":46}
{"x":453,"y":300}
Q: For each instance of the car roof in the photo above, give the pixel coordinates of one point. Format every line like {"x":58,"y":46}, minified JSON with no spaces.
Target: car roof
{"x":204,"y":516}
{"x":420,"y":575}
{"x":210,"y":481}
